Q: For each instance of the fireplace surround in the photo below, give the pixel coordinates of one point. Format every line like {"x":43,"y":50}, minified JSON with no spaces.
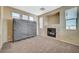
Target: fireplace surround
{"x":51,"y":32}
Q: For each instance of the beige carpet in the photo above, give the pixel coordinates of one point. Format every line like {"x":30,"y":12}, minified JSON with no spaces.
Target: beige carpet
{"x":39,"y":44}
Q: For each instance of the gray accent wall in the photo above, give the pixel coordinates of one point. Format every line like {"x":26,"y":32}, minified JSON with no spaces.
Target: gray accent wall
{"x":24,"y":29}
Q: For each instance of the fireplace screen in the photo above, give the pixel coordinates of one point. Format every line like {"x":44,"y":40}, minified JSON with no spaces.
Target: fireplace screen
{"x":51,"y":32}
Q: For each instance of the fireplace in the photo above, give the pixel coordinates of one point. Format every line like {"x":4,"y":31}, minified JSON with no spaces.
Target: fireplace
{"x":51,"y":32}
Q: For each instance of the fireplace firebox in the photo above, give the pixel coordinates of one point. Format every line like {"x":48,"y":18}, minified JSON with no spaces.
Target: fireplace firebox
{"x":51,"y":32}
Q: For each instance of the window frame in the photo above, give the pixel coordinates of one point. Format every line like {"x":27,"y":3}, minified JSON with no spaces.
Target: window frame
{"x":71,"y":25}
{"x":25,"y":17}
{"x":32,"y":17}
{"x":19,"y":15}
{"x":71,"y":17}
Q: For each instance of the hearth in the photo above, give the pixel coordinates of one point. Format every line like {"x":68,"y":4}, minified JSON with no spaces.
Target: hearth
{"x":51,"y":32}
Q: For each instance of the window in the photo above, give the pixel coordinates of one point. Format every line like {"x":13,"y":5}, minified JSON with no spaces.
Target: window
{"x":16,"y":15}
{"x":41,"y":22}
{"x":71,"y":24}
{"x":71,"y":16}
{"x":31,"y":18}
{"x":24,"y":17}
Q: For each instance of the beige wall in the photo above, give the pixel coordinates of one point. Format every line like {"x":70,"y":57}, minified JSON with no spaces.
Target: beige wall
{"x":0,"y":21}
{"x":53,"y":19}
{"x":0,"y":28}
{"x":69,"y":36}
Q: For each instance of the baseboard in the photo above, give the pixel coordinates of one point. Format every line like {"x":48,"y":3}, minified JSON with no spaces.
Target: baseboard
{"x":69,"y":43}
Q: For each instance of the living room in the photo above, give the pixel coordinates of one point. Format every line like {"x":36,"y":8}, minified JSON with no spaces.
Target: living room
{"x":54,"y":30}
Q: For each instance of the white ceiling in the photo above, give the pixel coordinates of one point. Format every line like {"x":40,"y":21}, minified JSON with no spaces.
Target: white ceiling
{"x":36,"y":9}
